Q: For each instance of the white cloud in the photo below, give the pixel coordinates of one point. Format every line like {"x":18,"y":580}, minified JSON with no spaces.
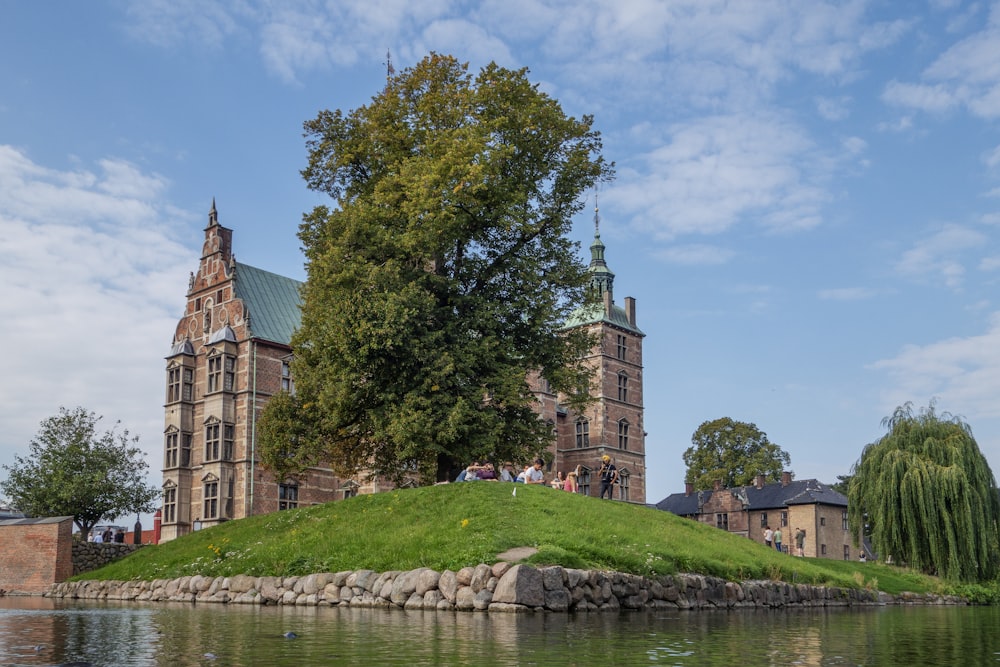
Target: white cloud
{"x":833,"y":108}
{"x":958,"y":371}
{"x":992,"y":158}
{"x":967,"y":74}
{"x":931,"y":98}
{"x":715,"y":172}
{"x":695,"y":254}
{"x":93,"y":286}
{"x":941,"y":255}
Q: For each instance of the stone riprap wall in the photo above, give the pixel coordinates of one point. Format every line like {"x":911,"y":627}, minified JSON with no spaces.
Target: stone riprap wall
{"x":89,"y":556}
{"x":501,"y":587}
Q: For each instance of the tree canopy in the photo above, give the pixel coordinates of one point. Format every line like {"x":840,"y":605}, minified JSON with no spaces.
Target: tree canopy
{"x":928,"y":496}
{"x":734,"y":452}
{"x":440,"y":276}
{"x":72,"y":470}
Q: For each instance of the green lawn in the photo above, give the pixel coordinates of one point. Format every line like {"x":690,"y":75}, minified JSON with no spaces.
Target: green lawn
{"x":455,"y":525}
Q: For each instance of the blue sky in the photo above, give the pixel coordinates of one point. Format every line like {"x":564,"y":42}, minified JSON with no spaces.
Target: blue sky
{"x":807,"y":202}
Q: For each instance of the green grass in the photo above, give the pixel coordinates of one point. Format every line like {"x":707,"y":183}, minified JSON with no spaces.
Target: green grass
{"x":456,"y":525}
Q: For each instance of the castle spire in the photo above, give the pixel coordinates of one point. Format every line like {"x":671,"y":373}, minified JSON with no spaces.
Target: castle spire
{"x":601,"y":277}
{"x":213,"y":215}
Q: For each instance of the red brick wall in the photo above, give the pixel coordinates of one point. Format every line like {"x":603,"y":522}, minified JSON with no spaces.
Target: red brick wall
{"x":35,"y":553}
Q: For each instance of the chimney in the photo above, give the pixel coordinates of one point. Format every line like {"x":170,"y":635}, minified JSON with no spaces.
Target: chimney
{"x":786,"y":478}
{"x":717,"y":485}
{"x":630,"y":310}
{"x":759,"y":482}
{"x":607,"y":302}
{"x":688,"y":488}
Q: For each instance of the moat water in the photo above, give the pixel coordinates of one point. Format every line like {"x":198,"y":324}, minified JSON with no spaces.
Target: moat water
{"x":38,"y":631}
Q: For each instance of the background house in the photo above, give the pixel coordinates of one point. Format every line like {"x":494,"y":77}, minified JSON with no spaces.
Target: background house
{"x":789,"y":504}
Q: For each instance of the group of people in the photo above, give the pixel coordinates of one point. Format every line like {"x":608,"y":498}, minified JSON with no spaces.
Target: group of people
{"x":773,"y":538}
{"x":109,"y":536}
{"x":533,"y":474}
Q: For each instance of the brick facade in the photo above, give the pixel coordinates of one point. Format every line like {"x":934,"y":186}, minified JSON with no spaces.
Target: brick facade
{"x":230,"y":354}
{"x":35,"y":553}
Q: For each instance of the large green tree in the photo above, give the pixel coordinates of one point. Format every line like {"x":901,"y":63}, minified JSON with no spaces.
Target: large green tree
{"x":734,"y":452}
{"x":439,"y":278}
{"x":928,"y":496}
{"x":73,"y":470}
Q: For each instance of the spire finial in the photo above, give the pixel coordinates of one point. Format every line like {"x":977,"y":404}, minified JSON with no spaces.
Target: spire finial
{"x":597,"y":217}
{"x":213,"y":215}
{"x":389,"y":69}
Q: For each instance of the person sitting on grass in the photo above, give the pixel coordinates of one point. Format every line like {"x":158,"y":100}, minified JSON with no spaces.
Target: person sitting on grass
{"x":534,"y":474}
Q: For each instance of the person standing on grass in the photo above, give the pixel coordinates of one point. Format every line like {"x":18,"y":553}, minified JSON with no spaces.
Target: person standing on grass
{"x":609,"y":475}
{"x":777,"y":538}
{"x":800,"y":542}
{"x":768,"y":536}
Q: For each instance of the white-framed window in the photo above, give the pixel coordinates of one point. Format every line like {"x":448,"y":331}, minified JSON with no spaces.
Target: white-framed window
{"x":784,"y":518}
{"x":288,"y":496}
{"x":174,"y":384}
{"x":177,"y":447}
{"x":170,"y":505}
{"x":221,"y":373}
{"x":843,"y":520}
{"x":623,"y":484}
{"x":210,"y":500}
{"x":763,"y":519}
{"x":228,"y":430}
{"x":722,"y":521}
{"x":582,"y":433}
{"x":287,"y":384}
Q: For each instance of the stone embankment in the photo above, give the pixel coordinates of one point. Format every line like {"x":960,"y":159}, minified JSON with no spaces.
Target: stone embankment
{"x":500,"y":588}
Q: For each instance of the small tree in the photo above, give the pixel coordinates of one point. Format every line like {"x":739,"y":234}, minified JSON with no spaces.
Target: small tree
{"x":72,"y":470}
{"x":929,"y":496}
{"x":733,"y":452}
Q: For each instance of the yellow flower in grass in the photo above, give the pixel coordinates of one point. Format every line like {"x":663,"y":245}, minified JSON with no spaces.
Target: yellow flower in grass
{"x":465,"y":522}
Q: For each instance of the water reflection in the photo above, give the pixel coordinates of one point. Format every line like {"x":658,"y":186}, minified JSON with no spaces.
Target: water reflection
{"x":37,"y":631}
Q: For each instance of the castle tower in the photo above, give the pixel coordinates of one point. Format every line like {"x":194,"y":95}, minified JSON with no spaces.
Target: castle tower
{"x":613,"y":423}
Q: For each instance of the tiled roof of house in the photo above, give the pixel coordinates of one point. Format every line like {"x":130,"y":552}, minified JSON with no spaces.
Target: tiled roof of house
{"x":769,"y":496}
{"x":272,"y":301}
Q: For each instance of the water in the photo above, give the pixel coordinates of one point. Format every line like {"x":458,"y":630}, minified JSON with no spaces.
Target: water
{"x":38,"y":631}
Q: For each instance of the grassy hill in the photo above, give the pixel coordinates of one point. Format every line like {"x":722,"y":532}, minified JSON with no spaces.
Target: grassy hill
{"x":455,"y":525}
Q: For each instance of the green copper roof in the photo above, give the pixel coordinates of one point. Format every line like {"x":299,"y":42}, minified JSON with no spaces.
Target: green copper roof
{"x":272,"y":301}
{"x":594,"y":314}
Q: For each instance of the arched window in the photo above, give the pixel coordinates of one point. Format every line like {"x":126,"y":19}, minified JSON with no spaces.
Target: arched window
{"x":622,"y":434}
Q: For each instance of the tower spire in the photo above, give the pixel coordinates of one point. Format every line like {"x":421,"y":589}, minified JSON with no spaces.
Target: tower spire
{"x":390,"y":71}
{"x":601,"y":277}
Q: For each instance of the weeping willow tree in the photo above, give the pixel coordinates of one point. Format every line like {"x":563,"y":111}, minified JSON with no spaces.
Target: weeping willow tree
{"x":928,"y":496}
